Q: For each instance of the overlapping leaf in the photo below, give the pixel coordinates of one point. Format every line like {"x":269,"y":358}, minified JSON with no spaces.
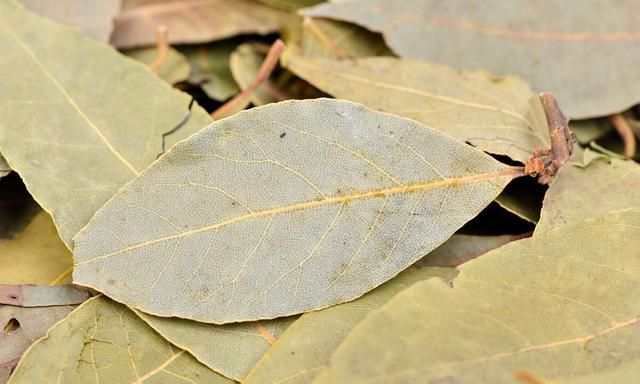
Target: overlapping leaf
{"x":36,"y":255}
{"x":210,"y":68}
{"x":497,"y":115}
{"x":581,"y":193}
{"x":175,"y":67}
{"x":586,"y":55}
{"x":95,"y":18}
{"x":559,"y":305}
{"x":216,"y":20}
{"x":105,"y":342}
{"x":19,"y":327}
{"x":218,"y":346}
{"x":282,"y":209}
{"x":76,"y":119}
{"x":304,"y":349}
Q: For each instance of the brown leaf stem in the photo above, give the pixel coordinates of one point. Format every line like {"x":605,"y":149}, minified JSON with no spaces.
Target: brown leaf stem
{"x":545,"y":163}
{"x":267,"y":67}
{"x":162,"y":44}
{"x":626,"y":133}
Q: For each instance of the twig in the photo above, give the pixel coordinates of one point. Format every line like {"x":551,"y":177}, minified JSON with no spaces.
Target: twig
{"x":312,"y":27}
{"x":162,"y":44}
{"x":268,"y":65}
{"x":626,"y":133}
{"x":528,"y":377}
{"x":545,"y":163}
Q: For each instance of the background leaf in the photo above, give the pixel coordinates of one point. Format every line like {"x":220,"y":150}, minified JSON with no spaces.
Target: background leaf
{"x":304,"y":349}
{"x":560,"y":304}
{"x":104,"y":116}
{"x":586,"y":57}
{"x":497,"y":115}
{"x":106,"y":342}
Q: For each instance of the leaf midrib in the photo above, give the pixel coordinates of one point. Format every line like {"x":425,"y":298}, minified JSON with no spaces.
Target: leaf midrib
{"x":508,"y":171}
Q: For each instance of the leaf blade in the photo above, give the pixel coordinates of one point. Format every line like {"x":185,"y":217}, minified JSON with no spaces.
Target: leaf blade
{"x":319,"y":204}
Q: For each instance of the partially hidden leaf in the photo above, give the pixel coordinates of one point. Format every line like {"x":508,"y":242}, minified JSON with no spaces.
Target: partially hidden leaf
{"x":283,"y":209}
{"x":174,"y":69}
{"x":5,"y":169}
{"x":37,"y":255}
{"x":291,"y":4}
{"x":41,"y":295}
{"x":217,"y":346}
{"x":304,"y":349}
{"x":587,"y":131}
{"x":19,"y":328}
{"x":194,"y":21}
{"x":94,"y":18}
{"x":329,"y":38}
{"x":105,"y":116}
{"x":586,"y":58}
{"x":497,"y":115}
{"x":581,"y":193}
{"x":105,"y":342}
{"x":210,"y":68}
{"x":461,"y":248}
{"x":562,"y":304}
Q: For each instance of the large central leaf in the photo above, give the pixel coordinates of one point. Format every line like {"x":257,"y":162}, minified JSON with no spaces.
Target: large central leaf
{"x":283,"y":209}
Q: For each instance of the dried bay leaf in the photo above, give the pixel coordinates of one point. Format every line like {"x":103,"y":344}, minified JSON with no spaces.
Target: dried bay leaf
{"x":5,"y":169}
{"x":304,"y":349}
{"x":329,"y":38}
{"x":497,"y":115}
{"x":41,"y":295}
{"x":585,"y":56}
{"x":291,"y":4}
{"x":173,"y":70}
{"x":210,"y":68}
{"x":194,"y":21}
{"x":105,"y":116}
{"x":283,"y":209}
{"x":461,"y":248}
{"x":19,"y":328}
{"x":95,"y":18}
{"x":218,"y":346}
{"x":37,"y":255}
{"x":103,"y":341}
{"x":581,"y":193}
{"x":561,"y":304}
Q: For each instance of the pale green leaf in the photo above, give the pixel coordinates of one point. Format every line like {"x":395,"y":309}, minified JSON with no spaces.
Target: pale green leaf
{"x":94,"y":18}
{"x":41,"y":295}
{"x":19,"y":328}
{"x":77,"y":120}
{"x":37,"y":255}
{"x":561,"y":304}
{"x":238,"y":347}
{"x":245,"y":63}
{"x":283,"y":209}
{"x":462,"y":248}
{"x":194,"y":21}
{"x":105,"y":342}
{"x":210,"y":68}
{"x":587,"y":131}
{"x":291,"y":4}
{"x":173,"y":70}
{"x":304,"y":349}
{"x":585,"y":55}
{"x":497,"y":115}
{"x":581,"y":193}
{"x":329,"y":38}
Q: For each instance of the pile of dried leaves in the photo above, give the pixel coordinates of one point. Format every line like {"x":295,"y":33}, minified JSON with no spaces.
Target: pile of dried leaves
{"x":296,"y":191}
